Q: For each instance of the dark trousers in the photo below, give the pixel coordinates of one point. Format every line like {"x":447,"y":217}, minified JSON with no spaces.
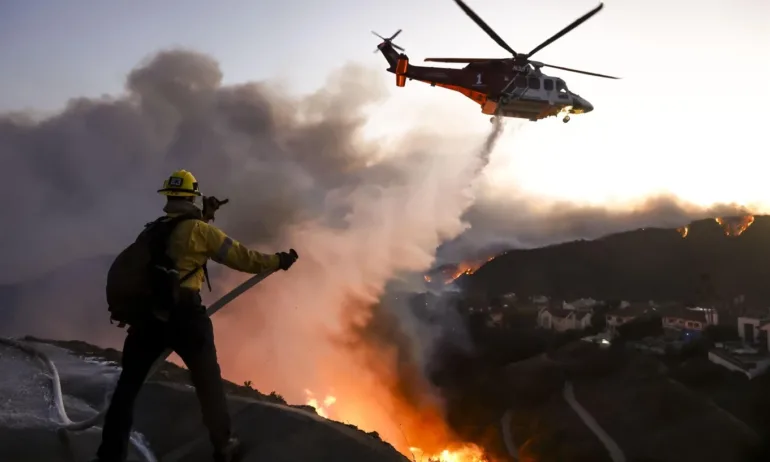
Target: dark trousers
{"x":190,"y":334}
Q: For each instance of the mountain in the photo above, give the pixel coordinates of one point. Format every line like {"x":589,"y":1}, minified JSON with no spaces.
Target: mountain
{"x":708,"y":261}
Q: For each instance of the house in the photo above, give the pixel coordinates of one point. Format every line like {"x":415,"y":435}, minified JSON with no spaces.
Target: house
{"x":581,"y":304}
{"x":561,"y":320}
{"x":749,"y":355}
{"x":688,"y":319}
{"x":746,"y":361}
{"x":627,"y":312}
{"x":755,"y":331}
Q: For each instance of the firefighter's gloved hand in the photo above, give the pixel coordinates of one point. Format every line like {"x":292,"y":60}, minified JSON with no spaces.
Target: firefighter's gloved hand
{"x":210,"y":206}
{"x":286,"y":259}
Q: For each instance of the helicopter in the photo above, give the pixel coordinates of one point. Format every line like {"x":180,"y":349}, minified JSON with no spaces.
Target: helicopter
{"x":503,"y":87}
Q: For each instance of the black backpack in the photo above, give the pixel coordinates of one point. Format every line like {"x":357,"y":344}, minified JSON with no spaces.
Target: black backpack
{"x":143,"y":280}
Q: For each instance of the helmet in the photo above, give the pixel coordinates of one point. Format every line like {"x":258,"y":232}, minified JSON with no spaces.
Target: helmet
{"x":180,"y":183}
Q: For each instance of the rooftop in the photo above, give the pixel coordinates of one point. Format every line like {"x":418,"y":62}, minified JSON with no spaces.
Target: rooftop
{"x":746,"y":362}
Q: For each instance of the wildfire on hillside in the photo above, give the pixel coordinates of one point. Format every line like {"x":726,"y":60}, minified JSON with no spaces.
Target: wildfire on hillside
{"x":684,"y":231}
{"x":467,"y":453}
{"x":735,"y":226}
{"x":322,"y":407}
{"x":451,"y":272}
{"x":462,"y":452}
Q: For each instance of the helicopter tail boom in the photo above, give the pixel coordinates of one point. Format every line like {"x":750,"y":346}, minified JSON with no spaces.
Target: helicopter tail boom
{"x":391,"y":55}
{"x":398,"y":62}
{"x":388,"y":50}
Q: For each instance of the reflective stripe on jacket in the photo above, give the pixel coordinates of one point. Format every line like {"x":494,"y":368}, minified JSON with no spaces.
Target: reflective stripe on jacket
{"x":193,"y":242}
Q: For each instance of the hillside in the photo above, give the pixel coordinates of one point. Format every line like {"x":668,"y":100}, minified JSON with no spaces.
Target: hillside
{"x":640,"y":265}
{"x":167,"y":414}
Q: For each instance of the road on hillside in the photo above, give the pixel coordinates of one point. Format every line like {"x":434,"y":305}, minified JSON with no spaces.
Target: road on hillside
{"x":505,"y":425}
{"x":568,"y":393}
{"x":613,"y":449}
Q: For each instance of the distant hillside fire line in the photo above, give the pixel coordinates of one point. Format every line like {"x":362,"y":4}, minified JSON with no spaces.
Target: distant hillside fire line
{"x":735,"y":226}
{"x":454,"y":272}
{"x":732,"y":226}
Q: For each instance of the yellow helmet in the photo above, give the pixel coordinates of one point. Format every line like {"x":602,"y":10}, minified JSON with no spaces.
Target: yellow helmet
{"x":180,"y":183}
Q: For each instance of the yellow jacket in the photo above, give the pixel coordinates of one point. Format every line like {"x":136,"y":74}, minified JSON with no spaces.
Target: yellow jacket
{"x":193,"y":242}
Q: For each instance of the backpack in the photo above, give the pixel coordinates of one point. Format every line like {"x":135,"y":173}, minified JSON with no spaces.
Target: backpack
{"x":143,"y":280}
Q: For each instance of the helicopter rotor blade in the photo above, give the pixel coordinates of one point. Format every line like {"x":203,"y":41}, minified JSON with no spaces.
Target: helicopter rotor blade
{"x":463,"y":60}
{"x":564,"y":31}
{"x":539,"y":64}
{"x":388,"y":40}
{"x":480,"y":22}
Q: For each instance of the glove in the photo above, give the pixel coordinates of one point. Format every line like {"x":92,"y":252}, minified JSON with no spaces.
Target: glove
{"x":286,"y":259}
{"x":210,"y":206}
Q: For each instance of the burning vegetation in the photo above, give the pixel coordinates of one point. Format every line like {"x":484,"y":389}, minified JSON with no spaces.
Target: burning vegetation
{"x":449,"y":273}
{"x":735,"y":226}
{"x":458,"y":452}
{"x":396,"y":398}
{"x":732,"y":226}
{"x":469,"y":453}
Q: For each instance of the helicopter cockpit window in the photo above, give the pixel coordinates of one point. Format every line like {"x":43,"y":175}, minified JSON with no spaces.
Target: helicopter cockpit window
{"x":548,"y":84}
{"x":534,"y":83}
{"x":520,"y":81}
{"x":561,"y":86}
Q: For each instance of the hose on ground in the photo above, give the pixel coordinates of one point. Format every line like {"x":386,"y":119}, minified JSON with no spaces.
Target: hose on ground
{"x":65,"y":422}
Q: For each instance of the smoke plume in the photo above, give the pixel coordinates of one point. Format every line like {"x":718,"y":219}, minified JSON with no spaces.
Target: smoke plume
{"x":298,"y":173}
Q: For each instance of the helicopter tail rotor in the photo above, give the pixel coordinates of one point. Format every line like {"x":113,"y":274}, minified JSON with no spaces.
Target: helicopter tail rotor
{"x":388,"y":40}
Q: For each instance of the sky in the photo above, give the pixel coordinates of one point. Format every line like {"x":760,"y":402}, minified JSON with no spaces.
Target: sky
{"x":687,"y":117}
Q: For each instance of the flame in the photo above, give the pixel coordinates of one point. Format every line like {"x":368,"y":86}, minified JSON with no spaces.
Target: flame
{"x":463,"y":268}
{"x":321,"y":409}
{"x":344,"y":377}
{"x":684,"y":231}
{"x":465,"y":453}
{"x":735,"y":226}
{"x":455,"y":453}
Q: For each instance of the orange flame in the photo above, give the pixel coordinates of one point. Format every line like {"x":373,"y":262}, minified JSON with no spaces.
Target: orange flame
{"x":684,"y":231}
{"x":321,"y":408}
{"x":461,"y":452}
{"x":345,"y":377}
{"x":463,"y":268}
{"x":465,"y":453}
{"x":735,"y":226}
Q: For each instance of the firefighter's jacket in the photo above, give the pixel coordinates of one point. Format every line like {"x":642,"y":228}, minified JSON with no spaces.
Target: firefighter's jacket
{"x":193,"y":242}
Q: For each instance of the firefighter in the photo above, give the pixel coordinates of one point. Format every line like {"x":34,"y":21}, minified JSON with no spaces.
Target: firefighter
{"x":187,"y":329}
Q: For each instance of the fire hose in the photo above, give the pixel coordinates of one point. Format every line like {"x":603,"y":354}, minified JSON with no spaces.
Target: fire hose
{"x":66,"y":422}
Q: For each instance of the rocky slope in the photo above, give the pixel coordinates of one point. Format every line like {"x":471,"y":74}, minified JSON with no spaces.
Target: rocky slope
{"x":167,"y":415}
